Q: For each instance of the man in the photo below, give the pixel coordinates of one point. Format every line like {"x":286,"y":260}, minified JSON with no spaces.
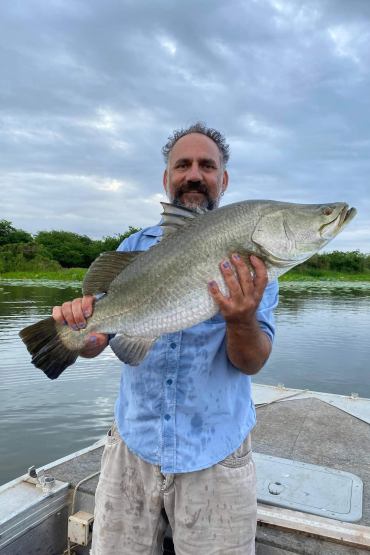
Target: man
{"x":180,"y":445}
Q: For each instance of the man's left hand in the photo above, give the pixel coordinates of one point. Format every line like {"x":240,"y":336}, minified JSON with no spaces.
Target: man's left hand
{"x":245,"y":294}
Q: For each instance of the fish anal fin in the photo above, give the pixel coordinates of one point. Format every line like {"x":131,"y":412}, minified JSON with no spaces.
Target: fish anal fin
{"x":105,"y":269}
{"x":131,"y":350}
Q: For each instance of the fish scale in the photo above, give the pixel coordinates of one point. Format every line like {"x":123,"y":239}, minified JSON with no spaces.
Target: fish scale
{"x":165,"y":289}
{"x":184,"y":293}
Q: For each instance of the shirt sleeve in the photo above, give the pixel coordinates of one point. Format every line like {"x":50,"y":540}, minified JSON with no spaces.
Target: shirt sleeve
{"x":269,"y":302}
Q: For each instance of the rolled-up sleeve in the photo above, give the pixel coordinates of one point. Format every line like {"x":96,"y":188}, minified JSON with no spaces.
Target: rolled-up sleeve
{"x":269,"y":302}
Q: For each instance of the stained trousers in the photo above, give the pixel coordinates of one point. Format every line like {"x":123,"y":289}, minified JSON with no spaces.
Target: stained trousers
{"x":211,"y":511}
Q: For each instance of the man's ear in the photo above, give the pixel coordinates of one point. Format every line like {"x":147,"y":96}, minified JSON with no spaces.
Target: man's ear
{"x":225,"y":181}
{"x":165,"y":175}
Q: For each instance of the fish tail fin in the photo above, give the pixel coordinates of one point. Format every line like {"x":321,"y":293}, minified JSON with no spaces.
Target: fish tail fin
{"x":53,"y":347}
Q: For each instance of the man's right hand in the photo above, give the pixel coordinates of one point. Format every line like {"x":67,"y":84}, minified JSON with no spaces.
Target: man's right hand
{"x":75,"y":315}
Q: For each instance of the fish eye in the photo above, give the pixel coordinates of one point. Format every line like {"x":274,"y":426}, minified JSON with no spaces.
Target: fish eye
{"x":327,"y":211}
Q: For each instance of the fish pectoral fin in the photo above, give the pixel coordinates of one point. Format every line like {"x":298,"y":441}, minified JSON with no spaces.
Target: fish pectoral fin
{"x":105,"y":269}
{"x":131,"y":349}
{"x":176,"y":217}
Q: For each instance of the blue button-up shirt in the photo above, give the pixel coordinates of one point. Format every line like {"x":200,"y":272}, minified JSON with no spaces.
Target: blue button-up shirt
{"x":186,"y":406}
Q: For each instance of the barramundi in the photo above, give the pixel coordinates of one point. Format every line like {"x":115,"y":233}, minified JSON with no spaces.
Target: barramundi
{"x":146,"y":294}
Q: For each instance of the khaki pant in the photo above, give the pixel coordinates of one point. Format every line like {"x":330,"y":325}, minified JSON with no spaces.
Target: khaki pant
{"x":211,"y":511}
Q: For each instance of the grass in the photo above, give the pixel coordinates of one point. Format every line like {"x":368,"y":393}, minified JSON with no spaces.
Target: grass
{"x":323,"y":275}
{"x":77,"y":274}
{"x":67,"y":274}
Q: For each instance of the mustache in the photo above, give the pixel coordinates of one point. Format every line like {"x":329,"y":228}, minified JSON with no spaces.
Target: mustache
{"x":193,"y":186}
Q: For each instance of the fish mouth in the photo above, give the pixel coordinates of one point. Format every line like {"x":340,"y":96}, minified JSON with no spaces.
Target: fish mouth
{"x":348,"y":216}
{"x":332,"y":228}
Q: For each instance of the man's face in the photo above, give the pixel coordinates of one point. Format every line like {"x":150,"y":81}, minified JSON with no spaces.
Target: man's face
{"x":195,"y":176}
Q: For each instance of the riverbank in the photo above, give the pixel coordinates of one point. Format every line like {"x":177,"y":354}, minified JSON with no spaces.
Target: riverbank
{"x":66,"y":274}
{"x":323,"y":275}
{"x":77,"y":274}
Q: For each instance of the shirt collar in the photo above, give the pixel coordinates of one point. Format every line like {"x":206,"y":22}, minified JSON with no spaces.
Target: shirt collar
{"x":154,"y":231}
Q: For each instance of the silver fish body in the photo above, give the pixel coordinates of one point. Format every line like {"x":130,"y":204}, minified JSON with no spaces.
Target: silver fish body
{"x":164,"y":289}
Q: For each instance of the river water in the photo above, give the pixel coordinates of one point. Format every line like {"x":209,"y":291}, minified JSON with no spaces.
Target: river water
{"x":322,"y":343}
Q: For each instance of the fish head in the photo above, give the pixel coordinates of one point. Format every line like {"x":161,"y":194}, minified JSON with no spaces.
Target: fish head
{"x":288,"y":234}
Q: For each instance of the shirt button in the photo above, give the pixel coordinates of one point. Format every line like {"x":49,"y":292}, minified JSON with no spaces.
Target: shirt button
{"x":173,"y":345}
{"x":167,"y":417}
{"x":169,"y":382}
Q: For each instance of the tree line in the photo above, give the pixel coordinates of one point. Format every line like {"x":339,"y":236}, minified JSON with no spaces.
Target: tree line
{"x":53,"y":250}
{"x":352,"y":262}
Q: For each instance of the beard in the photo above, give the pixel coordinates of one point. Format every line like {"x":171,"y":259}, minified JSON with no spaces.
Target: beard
{"x":208,"y":203}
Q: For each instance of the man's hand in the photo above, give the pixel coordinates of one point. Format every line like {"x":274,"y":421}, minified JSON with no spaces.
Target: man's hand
{"x":75,"y":314}
{"x":245,"y":294}
{"x":247,"y":345}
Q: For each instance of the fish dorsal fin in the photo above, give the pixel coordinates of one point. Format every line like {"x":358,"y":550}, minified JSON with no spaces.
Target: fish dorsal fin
{"x":176,"y":217}
{"x":105,"y":269}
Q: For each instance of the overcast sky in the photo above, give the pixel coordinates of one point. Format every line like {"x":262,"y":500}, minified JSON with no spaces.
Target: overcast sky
{"x":91,"y":89}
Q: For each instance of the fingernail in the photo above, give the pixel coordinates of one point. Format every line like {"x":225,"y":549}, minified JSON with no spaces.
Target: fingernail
{"x":253,"y":257}
{"x":225,"y":265}
{"x":64,"y":323}
{"x":237,"y":256}
{"x":92,"y":339}
{"x":211,"y":283}
{"x":86,"y":313}
{"x":74,"y":326}
{"x":81,"y":325}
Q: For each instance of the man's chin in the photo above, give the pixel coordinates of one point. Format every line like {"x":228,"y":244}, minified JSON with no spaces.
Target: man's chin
{"x":192,"y":205}
{"x":194,"y":201}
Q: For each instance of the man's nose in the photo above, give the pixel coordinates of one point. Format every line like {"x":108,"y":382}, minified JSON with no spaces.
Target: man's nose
{"x":194,"y":173}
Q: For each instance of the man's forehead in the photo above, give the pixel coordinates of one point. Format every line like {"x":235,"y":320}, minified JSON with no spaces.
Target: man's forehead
{"x":195,"y":146}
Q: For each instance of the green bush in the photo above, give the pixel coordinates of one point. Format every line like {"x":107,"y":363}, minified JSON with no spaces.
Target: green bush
{"x":69,"y":249}
{"x":28,"y":257}
{"x":51,"y":250}
{"x":10,"y":236}
{"x":110,"y":243}
{"x":73,"y":250}
{"x":337,"y":261}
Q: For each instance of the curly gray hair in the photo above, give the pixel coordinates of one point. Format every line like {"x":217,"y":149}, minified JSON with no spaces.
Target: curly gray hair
{"x":199,"y":127}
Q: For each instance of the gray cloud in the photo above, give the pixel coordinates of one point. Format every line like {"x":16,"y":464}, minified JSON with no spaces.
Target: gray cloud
{"x":90,"y":90}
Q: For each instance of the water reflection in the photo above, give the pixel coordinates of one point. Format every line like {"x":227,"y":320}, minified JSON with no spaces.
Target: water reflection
{"x":42,"y":420}
{"x":321,"y":344}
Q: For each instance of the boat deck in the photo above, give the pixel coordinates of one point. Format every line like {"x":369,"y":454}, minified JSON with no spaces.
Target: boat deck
{"x":304,"y":429}
{"x":312,"y":431}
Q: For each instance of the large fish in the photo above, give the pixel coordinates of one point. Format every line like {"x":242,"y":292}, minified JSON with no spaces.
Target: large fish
{"x":164,"y":289}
